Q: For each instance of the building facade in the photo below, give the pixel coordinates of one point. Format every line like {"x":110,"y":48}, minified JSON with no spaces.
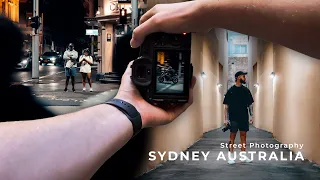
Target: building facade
{"x":107,"y":18}
{"x":10,"y":9}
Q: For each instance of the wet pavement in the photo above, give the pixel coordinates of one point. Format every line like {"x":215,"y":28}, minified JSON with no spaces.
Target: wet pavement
{"x":213,"y":169}
{"x":44,"y":71}
{"x":50,"y":88}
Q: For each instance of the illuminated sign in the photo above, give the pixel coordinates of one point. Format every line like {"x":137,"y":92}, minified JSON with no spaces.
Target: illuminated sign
{"x":92,"y":32}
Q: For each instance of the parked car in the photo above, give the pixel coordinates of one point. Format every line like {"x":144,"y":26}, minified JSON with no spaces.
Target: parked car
{"x":51,"y":57}
{"x":25,"y":62}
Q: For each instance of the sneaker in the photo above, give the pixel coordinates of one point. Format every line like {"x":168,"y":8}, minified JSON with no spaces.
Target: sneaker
{"x":245,"y":160}
{"x":83,"y":89}
{"x":231,"y":158}
{"x":91,"y":90}
{"x":65,"y":90}
{"x":231,"y":161}
{"x":73,"y":90}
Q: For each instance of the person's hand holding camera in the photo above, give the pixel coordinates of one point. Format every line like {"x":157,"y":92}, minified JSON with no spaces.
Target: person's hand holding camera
{"x":151,"y":115}
{"x":226,"y":122}
{"x":171,"y":18}
{"x":251,"y":119}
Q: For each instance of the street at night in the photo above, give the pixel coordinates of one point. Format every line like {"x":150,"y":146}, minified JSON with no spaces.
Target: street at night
{"x":52,"y":79}
{"x":44,"y":71}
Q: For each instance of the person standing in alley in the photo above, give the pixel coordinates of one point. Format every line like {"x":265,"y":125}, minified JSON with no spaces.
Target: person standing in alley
{"x":238,"y":101}
{"x":85,"y":68}
{"x":70,"y":56}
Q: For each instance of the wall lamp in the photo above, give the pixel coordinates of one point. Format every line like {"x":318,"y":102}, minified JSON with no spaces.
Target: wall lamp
{"x":219,"y":85}
{"x":256,"y":85}
{"x":203,"y":75}
{"x":272,"y":75}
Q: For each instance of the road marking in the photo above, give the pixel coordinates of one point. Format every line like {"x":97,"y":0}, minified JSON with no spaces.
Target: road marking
{"x":25,"y":81}
{"x":50,"y":75}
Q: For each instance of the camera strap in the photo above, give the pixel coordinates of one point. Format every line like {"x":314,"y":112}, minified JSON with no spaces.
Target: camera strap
{"x":130,"y":111}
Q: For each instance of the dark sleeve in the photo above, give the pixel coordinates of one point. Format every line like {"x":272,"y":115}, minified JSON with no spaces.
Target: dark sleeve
{"x":250,"y":98}
{"x":227,"y":98}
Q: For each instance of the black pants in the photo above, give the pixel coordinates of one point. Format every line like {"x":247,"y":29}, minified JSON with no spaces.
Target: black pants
{"x":239,"y":125}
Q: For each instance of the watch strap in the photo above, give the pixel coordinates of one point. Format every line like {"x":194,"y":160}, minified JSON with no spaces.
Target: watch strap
{"x":130,"y":111}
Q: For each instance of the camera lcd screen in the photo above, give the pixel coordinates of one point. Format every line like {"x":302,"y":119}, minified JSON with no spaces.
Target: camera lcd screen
{"x":170,"y":70}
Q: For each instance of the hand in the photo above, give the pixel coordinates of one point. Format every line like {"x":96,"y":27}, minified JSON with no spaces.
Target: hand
{"x":226,"y":122}
{"x":171,"y":18}
{"x":151,"y":115}
{"x":251,"y":120}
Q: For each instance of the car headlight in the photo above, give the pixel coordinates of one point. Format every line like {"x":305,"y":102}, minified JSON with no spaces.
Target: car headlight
{"x":24,"y":61}
{"x":41,"y":58}
{"x":53,"y":59}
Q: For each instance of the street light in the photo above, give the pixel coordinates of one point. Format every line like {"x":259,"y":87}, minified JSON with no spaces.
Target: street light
{"x":35,"y":23}
{"x":272,"y":75}
{"x":203,"y":75}
{"x":123,"y":16}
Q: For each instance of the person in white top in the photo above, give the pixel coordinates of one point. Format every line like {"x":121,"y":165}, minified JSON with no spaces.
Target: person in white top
{"x":85,"y":68}
{"x":70,"y":56}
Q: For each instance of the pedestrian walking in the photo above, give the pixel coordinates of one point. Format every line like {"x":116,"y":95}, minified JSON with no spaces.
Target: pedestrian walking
{"x":85,"y":68}
{"x":70,"y":56}
{"x":238,"y":102}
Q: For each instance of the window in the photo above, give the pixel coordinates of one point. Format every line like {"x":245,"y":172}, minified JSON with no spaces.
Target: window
{"x":239,"y":49}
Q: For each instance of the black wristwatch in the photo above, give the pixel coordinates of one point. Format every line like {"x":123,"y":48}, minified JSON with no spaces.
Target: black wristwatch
{"x":130,"y":111}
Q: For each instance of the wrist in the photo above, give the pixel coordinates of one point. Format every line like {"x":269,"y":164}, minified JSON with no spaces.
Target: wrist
{"x":136,"y":102}
{"x":114,"y":113}
{"x":130,"y":111}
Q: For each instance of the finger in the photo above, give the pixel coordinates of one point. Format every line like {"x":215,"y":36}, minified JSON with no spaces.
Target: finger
{"x":140,"y":32}
{"x":129,"y":69}
{"x":147,"y":15}
{"x":126,"y":75}
{"x":193,"y":82}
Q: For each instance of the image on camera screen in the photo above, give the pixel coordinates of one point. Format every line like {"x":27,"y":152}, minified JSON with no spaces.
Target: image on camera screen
{"x":170,"y":72}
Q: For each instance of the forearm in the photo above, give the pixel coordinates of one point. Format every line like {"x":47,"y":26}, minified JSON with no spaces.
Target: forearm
{"x":226,"y":112}
{"x":251,"y":110}
{"x":294,"y":24}
{"x":65,"y":57}
{"x":70,"y":146}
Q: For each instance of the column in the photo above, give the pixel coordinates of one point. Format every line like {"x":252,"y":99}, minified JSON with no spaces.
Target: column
{"x":107,"y":47}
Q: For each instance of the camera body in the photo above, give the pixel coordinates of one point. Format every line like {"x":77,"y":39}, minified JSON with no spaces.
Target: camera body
{"x":226,"y":128}
{"x":163,"y":71}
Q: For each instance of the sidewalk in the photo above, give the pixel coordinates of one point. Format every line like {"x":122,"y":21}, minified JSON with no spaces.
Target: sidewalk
{"x":50,"y":92}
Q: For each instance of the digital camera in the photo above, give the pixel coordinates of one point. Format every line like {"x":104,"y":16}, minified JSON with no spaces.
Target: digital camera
{"x":163,"y":71}
{"x":226,"y":128}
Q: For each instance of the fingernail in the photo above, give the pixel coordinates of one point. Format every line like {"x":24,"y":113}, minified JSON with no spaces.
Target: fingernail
{"x":133,"y":44}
